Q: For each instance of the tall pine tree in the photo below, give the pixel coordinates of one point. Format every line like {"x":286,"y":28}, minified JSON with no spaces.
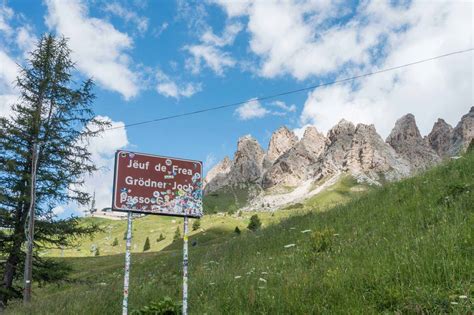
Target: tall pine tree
{"x":55,"y":114}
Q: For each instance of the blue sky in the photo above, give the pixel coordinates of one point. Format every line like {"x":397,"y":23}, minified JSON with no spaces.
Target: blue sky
{"x":160,"y":58}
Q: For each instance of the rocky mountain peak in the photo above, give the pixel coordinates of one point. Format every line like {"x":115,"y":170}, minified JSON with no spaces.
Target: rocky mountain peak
{"x":340,"y":139}
{"x":463,"y":133}
{"x":405,"y":130}
{"x":294,"y":166}
{"x":248,"y":160}
{"x":369,"y":156}
{"x":440,"y":137}
{"x":314,"y":141}
{"x":406,"y":139}
{"x":281,"y":141}
{"x":342,"y":131}
{"x":217,"y":176}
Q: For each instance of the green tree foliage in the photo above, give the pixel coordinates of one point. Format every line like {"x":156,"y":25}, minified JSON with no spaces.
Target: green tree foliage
{"x":115,"y":242}
{"x":159,"y":239}
{"x":196,"y":224}
{"x":255,"y":223}
{"x":177,"y":234}
{"x":55,"y":114}
{"x":147,"y":244}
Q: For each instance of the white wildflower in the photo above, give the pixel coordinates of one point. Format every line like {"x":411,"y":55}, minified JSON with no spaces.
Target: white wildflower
{"x":463,"y":296}
{"x":263,"y":280}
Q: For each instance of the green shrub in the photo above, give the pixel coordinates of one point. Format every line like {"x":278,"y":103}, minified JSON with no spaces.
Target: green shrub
{"x":164,"y":307}
{"x":255,"y":223}
{"x":115,"y":242}
{"x":237,"y":230}
{"x":159,"y":239}
{"x":196,"y":224}
{"x":97,"y":252}
{"x":147,"y":244}
{"x":321,"y":241}
{"x":177,"y":234}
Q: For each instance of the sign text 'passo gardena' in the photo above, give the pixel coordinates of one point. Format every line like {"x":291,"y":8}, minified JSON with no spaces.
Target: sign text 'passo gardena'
{"x":154,"y":184}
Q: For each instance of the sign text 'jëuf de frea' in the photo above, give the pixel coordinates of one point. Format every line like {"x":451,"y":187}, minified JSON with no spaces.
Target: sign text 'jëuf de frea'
{"x":154,"y":184}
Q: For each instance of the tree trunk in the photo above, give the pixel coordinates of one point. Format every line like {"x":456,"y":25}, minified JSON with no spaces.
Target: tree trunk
{"x":11,"y":268}
{"x":14,"y":256}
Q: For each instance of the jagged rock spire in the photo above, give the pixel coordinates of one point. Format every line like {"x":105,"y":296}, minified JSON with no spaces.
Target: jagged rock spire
{"x":294,"y":166}
{"x":406,"y":139}
{"x":281,"y":141}
{"x":463,"y":133}
{"x":440,"y":137}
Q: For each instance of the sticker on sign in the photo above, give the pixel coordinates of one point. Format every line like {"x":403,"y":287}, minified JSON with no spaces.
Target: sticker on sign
{"x":153,"y":184}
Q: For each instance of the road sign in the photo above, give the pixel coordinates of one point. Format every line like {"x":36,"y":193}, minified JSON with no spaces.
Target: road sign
{"x":153,"y":184}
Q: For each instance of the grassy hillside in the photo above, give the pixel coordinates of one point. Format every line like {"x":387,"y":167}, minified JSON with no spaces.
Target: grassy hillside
{"x":406,"y":247}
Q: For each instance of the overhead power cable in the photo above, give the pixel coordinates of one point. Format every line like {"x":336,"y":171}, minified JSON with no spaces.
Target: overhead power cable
{"x":312,"y":87}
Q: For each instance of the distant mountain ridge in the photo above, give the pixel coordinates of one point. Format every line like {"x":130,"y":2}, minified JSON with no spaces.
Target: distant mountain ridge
{"x":315,"y":159}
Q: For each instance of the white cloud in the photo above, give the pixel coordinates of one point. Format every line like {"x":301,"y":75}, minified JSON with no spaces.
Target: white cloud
{"x":98,"y":48}
{"x":250,"y":110}
{"x":102,"y":150}
{"x":210,"y":161}
{"x":8,"y":72}
{"x":327,"y":39}
{"x":210,"y":51}
{"x":58,"y":210}
{"x":442,"y":88}
{"x":228,"y":36}
{"x":169,"y":88}
{"x":128,"y":15}
{"x":254,"y":109}
{"x":234,"y":8}
{"x":210,"y":56}
{"x":26,"y":39}
{"x":283,"y":106}
{"x":6,"y":14}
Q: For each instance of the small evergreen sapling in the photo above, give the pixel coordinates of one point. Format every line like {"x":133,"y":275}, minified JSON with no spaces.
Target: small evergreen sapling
{"x":237,"y":230}
{"x":177,"y":234}
{"x":147,"y":244}
{"x":115,"y":242}
{"x":196,"y":224}
{"x":159,"y":239}
{"x":255,"y":223}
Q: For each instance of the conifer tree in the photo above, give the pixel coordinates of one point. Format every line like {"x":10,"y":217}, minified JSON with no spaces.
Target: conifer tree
{"x":254,"y":223}
{"x":177,"y":234}
{"x":147,"y":244}
{"x":196,"y":224}
{"x":54,"y":115}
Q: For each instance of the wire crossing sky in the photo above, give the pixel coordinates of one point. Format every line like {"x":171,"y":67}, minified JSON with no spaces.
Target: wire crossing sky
{"x":292,"y":91}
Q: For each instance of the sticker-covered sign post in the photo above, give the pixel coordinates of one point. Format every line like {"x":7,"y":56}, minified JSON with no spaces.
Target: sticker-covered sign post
{"x":151,"y":184}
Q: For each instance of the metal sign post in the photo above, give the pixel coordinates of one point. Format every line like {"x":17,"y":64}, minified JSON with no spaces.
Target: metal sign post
{"x":159,"y":185}
{"x":127,"y":265}
{"x":185,"y":267}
